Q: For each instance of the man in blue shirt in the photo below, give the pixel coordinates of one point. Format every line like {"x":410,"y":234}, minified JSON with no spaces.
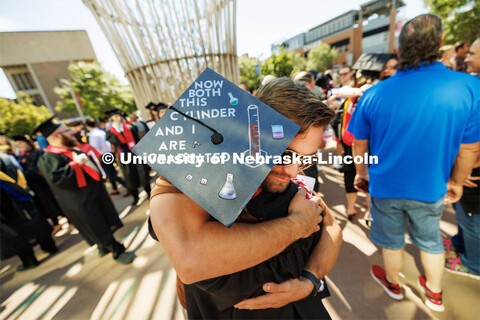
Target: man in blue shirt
{"x":424,"y":125}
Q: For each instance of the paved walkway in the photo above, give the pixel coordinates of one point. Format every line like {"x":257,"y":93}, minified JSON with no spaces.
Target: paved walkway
{"x":77,"y":284}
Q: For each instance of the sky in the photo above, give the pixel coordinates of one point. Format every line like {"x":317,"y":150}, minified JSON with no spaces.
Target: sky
{"x":259,"y":24}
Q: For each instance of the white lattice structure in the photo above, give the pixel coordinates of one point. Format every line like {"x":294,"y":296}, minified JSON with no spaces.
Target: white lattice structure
{"x":163,"y":45}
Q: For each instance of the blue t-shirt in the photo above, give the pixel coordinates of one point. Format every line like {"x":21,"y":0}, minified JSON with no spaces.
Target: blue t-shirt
{"x":415,"y":122}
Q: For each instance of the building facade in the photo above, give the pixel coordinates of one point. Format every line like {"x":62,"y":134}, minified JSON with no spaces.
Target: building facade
{"x":34,"y":62}
{"x":368,"y":30}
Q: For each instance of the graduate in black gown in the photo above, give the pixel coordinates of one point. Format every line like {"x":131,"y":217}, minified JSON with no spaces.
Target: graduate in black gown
{"x":44,"y":198}
{"x":76,"y":181}
{"x":21,"y":224}
{"x":124,"y":137}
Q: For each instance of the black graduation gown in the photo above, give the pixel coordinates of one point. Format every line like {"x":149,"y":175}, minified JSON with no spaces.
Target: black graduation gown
{"x":21,"y":225}
{"x":135,"y":175}
{"x":214,"y":298}
{"x":90,"y":208}
{"x":44,"y":198}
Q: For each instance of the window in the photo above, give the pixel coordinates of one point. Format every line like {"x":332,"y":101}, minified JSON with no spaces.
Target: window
{"x":23,"y":81}
{"x":37,"y":100}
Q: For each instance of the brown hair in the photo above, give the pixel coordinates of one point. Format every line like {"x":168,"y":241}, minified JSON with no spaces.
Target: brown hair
{"x":303,"y":76}
{"x":419,"y":41}
{"x":296,"y":102}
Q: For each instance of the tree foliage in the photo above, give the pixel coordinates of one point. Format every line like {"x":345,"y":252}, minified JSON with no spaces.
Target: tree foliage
{"x":461,"y":18}
{"x":248,"y":73}
{"x":21,"y":117}
{"x":298,"y":61}
{"x":99,"y":91}
{"x":321,"y":57}
{"x":278,"y":65}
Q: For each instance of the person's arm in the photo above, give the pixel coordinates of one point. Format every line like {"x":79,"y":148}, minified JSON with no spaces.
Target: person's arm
{"x":58,"y":172}
{"x":359,"y":148}
{"x":464,"y":163}
{"x":320,"y":262}
{"x":200,"y":249}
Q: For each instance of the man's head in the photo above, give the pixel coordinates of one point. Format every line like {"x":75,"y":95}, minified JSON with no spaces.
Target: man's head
{"x":298,"y":103}
{"x":305,"y":77}
{"x":116,"y":118}
{"x":3,"y":139}
{"x":63,"y":136}
{"x":420,"y":41}
{"x":389,"y":68}
{"x":243,"y":86}
{"x":22,"y":143}
{"x":473,"y":58}
{"x":345,"y":75}
{"x":90,"y":124}
{"x":462,"y":48}
{"x":133,"y":117}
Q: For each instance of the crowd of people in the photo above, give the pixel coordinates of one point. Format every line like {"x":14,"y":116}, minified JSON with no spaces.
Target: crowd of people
{"x":420,"y":115}
{"x":62,"y":174}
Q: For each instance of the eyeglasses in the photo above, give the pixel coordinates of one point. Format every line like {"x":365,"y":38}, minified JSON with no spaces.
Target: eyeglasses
{"x":303,"y":161}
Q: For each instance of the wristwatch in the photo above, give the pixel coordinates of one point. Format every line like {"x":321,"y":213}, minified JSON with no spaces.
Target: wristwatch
{"x":318,"y":284}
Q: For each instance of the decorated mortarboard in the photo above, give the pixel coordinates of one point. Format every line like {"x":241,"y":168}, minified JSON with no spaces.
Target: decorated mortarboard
{"x":47,"y":127}
{"x":214,"y":144}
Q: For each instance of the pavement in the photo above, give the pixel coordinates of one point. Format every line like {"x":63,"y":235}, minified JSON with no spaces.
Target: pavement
{"x":76,"y":284}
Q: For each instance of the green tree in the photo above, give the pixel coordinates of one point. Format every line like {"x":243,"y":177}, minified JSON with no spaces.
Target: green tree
{"x":321,"y":57}
{"x":21,"y":117}
{"x":298,"y":61}
{"x":99,"y":91}
{"x":248,"y":73}
{"x":461,"y":18}
{"x":278,"y":65}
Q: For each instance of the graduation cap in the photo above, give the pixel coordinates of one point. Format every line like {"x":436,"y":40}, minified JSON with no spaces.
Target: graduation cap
{"x":20,"y":138}
{"x":156,"y":107}
{"x":26,"y":138}
{"x":150,"y":106}
{"x":206,"y":141}
{"x":47,"y":127}
{"x":114,"y":112}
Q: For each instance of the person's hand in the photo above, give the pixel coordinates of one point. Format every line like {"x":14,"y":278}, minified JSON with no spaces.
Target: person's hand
{"x":278,"y":295}
{"x":454,"y":193}
{"x":359,"y":177}
{"x":81,"y":158}
{"x":306,"y":214}
{"x":469,"y":182}
{"x":334,"y":103}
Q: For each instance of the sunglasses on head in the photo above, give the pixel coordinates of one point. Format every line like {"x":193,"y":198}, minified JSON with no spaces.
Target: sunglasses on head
{"x":293,"y":155}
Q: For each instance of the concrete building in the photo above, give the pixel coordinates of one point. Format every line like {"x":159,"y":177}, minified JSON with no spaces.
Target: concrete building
{"x":368,"y":30}
{"x":35,"y":61}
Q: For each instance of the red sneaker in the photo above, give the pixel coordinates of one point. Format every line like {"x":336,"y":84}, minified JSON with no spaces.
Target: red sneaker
{"x":393,"y":290}
{"x":432,"y":300}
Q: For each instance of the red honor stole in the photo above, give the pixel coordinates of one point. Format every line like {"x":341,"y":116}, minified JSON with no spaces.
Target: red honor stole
{"x":126,"y":138}
{"x":79,"y":169}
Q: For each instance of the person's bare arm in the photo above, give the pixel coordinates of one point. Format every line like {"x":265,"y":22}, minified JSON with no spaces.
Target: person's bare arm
{"x":200,"y":249}
{"x":325,"y":254}
{"x":359,"y":148}
{"x":320,"y":262}
{"x":464,"y":163}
